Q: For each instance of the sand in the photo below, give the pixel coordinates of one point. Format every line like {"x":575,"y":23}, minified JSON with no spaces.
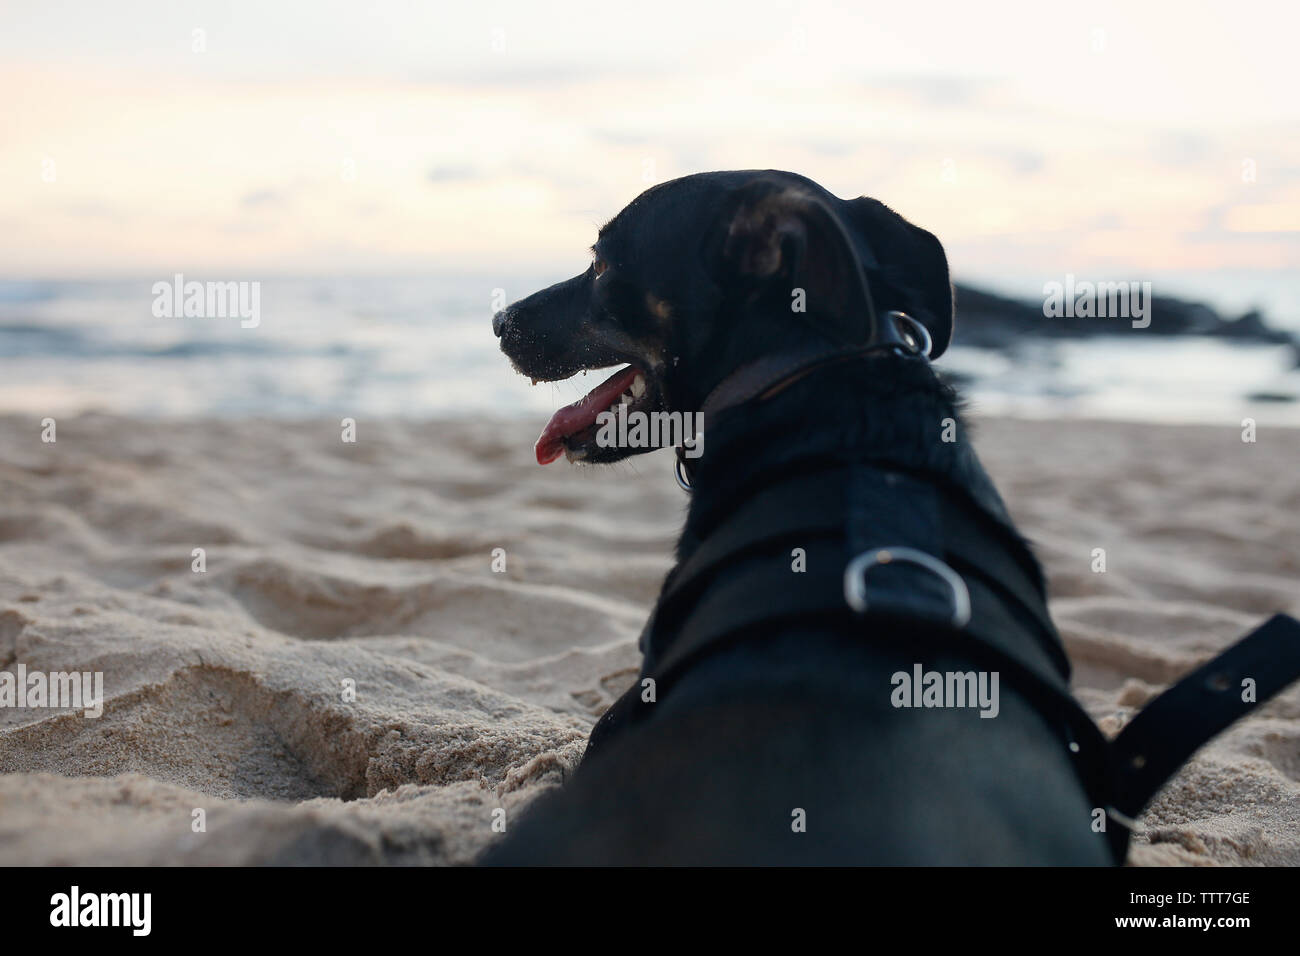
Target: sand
{"x":228,"y":734}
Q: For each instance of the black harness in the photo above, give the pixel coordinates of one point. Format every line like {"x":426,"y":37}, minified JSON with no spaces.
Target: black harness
{"x":925,"y":562}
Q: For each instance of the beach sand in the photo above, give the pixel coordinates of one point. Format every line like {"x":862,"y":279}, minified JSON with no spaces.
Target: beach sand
{"x":332,"y":566}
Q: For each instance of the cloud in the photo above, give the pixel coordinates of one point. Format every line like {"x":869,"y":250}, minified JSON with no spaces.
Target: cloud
{"x":260,"y":198}
{"x":1026,"y":162}
{"x":620,"y":137}
{"x":1183,"y":148}
{"x":510,"y":74}
{"x":458,"y":173}
{"x":94,"y":209}
{"x":936,"y":91}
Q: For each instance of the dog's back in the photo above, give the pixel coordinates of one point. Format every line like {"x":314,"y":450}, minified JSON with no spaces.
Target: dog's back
{"x":787,"y":745}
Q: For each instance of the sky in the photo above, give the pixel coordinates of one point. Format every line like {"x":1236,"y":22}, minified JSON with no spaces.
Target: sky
{"x":245,"y":140}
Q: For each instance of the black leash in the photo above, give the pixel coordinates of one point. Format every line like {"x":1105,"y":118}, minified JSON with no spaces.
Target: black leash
{"x":1168,"y":730}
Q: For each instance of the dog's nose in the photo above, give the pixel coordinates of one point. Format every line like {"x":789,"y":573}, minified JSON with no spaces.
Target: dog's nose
{"x":499,"y":322}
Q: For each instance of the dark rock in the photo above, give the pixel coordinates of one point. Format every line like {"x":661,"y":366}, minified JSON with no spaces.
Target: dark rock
{"x":987,"y":320}
{"x":1279,"y":397}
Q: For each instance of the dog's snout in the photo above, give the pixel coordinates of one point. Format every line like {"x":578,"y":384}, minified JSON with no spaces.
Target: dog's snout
{"x":499,"y":322}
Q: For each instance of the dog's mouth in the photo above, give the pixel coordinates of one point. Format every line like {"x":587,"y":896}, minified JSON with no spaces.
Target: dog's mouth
{"x":582,"y":433}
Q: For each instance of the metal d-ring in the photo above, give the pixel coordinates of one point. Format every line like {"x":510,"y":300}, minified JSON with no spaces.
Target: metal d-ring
{"x":679,"y":472}
{"x":914,"y":330}
{"x":855,"y":578}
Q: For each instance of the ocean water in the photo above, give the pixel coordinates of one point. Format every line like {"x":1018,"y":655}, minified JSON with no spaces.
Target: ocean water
{"x":421,"y":347}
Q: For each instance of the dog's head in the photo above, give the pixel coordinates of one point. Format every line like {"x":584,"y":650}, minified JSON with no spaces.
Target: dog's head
{"x":701,"y":275}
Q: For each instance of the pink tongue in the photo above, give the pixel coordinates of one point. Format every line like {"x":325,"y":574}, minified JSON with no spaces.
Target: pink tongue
{"x":572,"y":419}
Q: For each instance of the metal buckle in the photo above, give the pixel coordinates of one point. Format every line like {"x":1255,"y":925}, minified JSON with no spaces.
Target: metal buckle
{"x":855,"y":579}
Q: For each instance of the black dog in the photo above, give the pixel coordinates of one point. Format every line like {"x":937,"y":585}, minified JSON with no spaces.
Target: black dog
{"x":852,"y":661}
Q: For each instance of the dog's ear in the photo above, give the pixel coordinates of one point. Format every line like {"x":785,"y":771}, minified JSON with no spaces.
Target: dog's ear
{"x":778,"y":240}
{"x":907,"y":265}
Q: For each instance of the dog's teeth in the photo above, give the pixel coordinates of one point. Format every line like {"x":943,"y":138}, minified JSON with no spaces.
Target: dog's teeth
{"x":638,"y":386}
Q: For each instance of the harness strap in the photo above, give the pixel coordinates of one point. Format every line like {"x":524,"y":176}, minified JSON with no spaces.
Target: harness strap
{"x":888,"y":508}
{"x":764,"y":593}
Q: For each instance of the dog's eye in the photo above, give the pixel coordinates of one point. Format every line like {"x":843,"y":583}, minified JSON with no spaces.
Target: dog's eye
{"x":600,"y":265}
